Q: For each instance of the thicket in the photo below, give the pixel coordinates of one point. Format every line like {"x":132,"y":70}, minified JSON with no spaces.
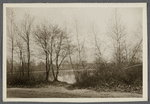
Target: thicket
{"x":18,"y":79}
{"x":106,"y":78}
{"x":37,"y":80}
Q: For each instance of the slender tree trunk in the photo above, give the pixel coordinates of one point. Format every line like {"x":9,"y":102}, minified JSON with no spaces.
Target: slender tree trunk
{"x":52,"y":69}
{"x":12,"y":46}
{"x":12,"y":65}
{"x":47,"y":75}
{"x":22,"y":68}
{"x":28,"y":57}
{"x":51,"y":58}
{"x":46,"y":66}
{"x":56,"y":77}
{"x":21,"y":62}
{"x":71,"y":61}
{"x":28,"y":68}
{"x":49,"y":67}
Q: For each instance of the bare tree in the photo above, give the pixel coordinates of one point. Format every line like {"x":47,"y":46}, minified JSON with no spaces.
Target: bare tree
{"x":26,"y":28}
{"x":80,"y":45}
{"x":136,"y":50}
{"x":53,"y":41}
{"x":19,"y":44}
{"x":132,"y":51}
{"x":124,"y":53}
{"x":71,"y":49}
{"x":116,"y":32}
{"x":138,"y":45}
{"x":11,"y":35}
{"x":98,"y":44}
{"x":61,"y":49}
{"x":42,"y":36}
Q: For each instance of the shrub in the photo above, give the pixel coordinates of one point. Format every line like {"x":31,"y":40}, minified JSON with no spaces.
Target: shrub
{"x":86,"y":78}
{"x":108,"y":77}
{"x":24,"y":81}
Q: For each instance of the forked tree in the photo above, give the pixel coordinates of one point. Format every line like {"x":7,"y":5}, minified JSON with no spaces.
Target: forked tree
{"x":60,"y":49}
{"x":43,"y":38}
{"x":53,"y":42}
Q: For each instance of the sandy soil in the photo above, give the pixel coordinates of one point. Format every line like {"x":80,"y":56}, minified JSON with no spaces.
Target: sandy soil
{"x":62,"y":92}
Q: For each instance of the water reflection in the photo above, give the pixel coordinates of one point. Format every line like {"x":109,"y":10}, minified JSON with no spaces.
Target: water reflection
{"x":68,"y":75}
{"x":65,"y":76}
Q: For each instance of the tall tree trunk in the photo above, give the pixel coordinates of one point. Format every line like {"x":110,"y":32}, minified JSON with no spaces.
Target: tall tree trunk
{"x":51,"y":57}
{"x":51,"y":63}
{"x":22,"y":68}
{"x":47,"y":68}
{"x":56,"y":77}
{"x":70,"y":59}
{"x":12,"y":46}
{"x":21,"y":62}
{"x":47,"y":75}
{"x":12,"y":65}
{"x":28,"y":57}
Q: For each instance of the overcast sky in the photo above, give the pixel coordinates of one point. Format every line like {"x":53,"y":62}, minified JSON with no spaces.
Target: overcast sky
{"x":100,"y":16}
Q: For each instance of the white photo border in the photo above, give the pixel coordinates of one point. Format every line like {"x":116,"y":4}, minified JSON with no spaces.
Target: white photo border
{"x":106,"y":5}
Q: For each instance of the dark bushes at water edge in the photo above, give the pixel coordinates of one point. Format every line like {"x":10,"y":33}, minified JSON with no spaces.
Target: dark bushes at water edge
{"x":35,"y":80}
{"x":129,"y":79}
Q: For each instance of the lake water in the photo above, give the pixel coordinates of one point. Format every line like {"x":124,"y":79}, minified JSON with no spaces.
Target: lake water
{"x":65,"y":76}
{"x":68,"y":75}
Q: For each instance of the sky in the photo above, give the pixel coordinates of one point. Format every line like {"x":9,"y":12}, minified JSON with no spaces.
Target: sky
{"x":86,"y":16}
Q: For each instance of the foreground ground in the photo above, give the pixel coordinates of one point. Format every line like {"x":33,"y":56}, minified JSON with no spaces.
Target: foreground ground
{"x":62,"y":92}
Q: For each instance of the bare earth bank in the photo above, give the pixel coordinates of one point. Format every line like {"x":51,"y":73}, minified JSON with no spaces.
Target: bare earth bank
{"x":61,"y":92}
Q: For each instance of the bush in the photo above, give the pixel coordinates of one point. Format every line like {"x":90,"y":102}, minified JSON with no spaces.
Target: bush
{"x":133,"y":74}
{"x":85,"y":78}
{"x":25,"y":81}
{"x":111,"y":78}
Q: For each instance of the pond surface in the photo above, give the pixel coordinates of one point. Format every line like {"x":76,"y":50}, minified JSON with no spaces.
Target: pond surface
{"x":65,"y":76}
{"x":68,"y":75}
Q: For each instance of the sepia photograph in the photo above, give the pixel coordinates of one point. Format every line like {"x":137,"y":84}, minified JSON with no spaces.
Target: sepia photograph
{"x":93,"y":51}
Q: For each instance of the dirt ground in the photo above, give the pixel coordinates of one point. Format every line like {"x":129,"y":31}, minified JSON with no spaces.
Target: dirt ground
{"x":62,"y":92}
